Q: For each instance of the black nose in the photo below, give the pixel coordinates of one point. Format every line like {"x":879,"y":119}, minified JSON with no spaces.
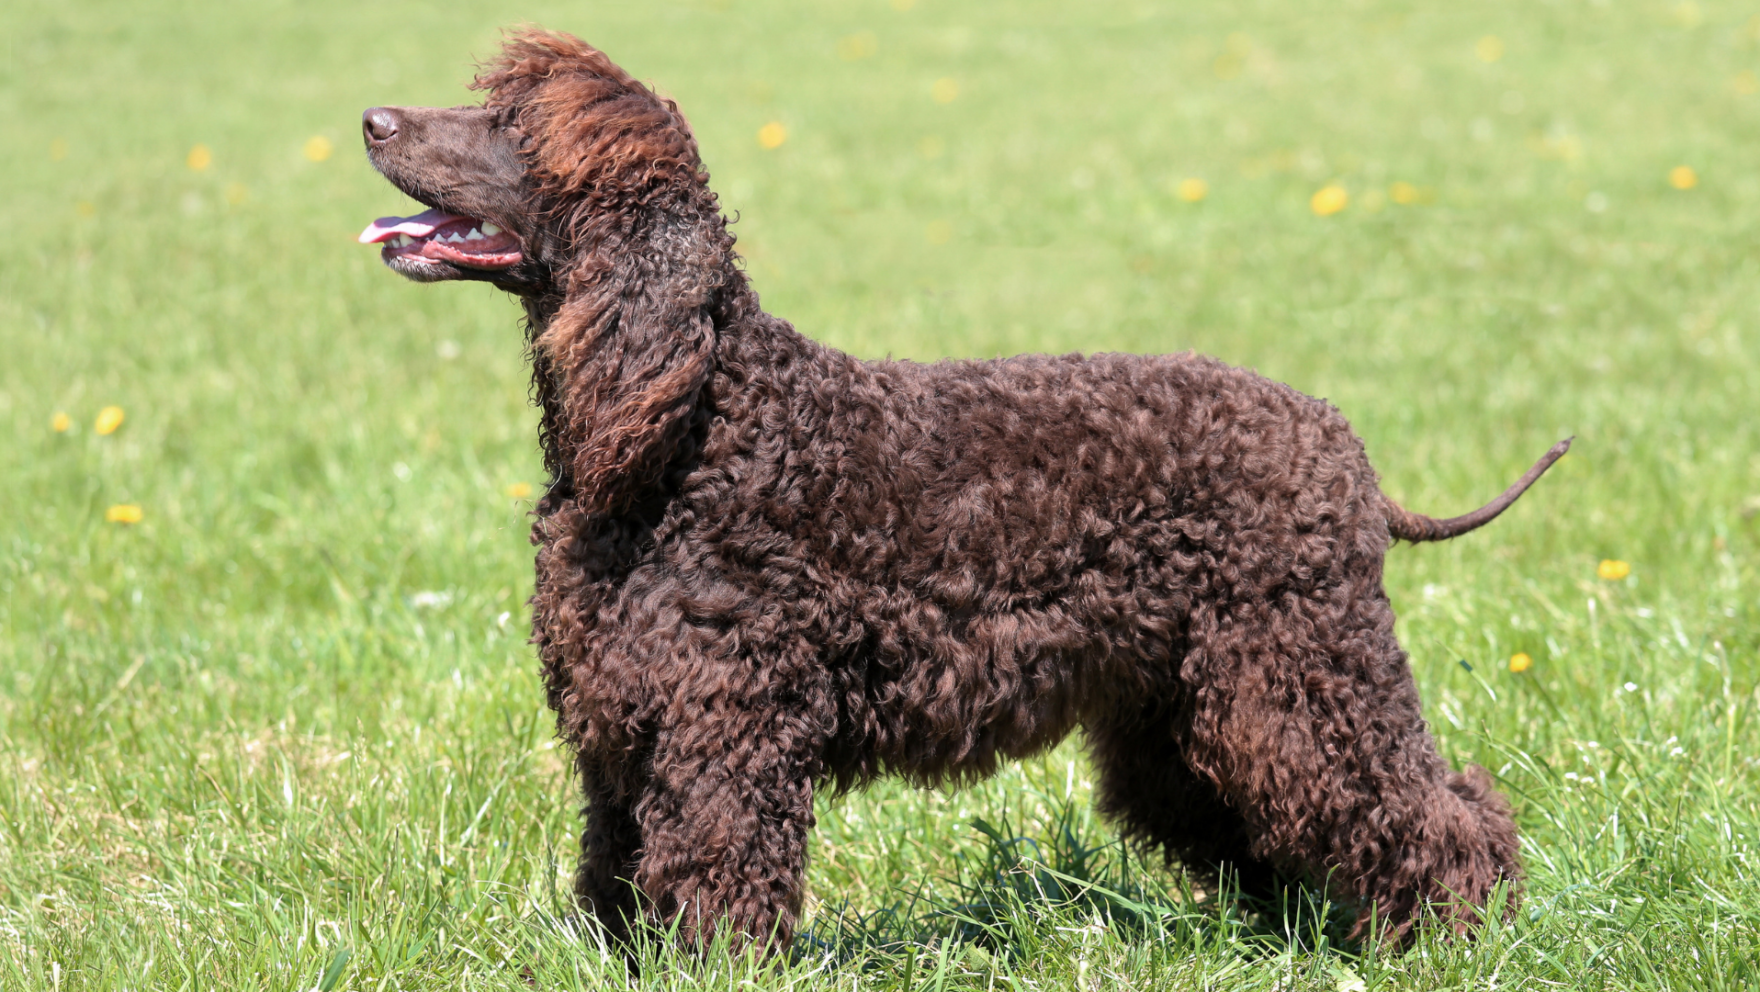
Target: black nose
{"x":380,"y":125}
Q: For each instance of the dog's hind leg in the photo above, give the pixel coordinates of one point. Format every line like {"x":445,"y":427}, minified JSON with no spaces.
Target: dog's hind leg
{"x":1306,"y":717}
{"x":1146,"y":788}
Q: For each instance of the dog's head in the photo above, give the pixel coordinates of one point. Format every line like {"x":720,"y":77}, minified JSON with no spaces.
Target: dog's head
{"x":582,"y":190}
{"x":514,"y":186}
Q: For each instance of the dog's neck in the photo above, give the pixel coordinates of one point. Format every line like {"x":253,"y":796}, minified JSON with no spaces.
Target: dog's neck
{"x":540,"y":310}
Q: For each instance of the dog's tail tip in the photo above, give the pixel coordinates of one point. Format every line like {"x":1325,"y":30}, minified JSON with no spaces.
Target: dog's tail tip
{"x":1405,"y":525}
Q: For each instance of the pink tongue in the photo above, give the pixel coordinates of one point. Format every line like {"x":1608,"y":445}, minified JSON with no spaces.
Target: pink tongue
{"x":419,"y":226}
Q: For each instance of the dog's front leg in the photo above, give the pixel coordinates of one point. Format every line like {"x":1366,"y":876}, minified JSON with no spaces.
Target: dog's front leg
{"x":604,"y":884}
{"x":729,"y":806}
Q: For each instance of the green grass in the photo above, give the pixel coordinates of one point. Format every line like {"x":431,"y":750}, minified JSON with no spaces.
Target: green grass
{"x":244,"y":744}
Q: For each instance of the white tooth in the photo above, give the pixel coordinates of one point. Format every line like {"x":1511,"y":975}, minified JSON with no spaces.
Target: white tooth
{"x":454,"y":238}
{"x":403,"y":240}
{"x":490,"y":230}
{"x":475,"y":235}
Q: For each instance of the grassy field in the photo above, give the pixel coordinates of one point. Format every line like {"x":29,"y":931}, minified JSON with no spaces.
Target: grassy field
{"x":284,"y":732}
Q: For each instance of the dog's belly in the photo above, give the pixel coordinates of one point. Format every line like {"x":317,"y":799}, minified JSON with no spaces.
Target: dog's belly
{"x":937,"y":694}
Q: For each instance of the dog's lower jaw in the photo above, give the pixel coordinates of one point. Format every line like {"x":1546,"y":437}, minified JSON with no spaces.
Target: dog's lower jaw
{"x":524,"y":279}
{"x":417,"y":269}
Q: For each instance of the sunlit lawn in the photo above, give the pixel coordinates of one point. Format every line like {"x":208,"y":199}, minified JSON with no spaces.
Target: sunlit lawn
{"x":267,"y":714}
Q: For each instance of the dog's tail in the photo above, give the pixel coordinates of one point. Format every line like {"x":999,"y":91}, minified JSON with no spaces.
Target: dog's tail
{"x":1408,"y":526}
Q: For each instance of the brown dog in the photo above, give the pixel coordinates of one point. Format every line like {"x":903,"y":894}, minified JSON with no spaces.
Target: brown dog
{"x":767,"y":568}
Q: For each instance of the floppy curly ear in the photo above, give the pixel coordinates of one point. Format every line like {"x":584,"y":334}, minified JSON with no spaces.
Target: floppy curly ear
{"x":628,"y":354}
{"x":615,"y":174}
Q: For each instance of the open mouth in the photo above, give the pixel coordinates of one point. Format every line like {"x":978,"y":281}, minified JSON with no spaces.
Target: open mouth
{"x":435,"y":236}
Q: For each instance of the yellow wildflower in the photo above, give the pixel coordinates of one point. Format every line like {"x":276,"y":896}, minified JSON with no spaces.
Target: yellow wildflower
{"x":1233,"y":59}
{"x":1558,"y":146}
{"x":939,"y":232}
{"x":236,"y":194}
{"x":945,"y":90}
{"x":1403,"y":193}
{"x":1192,"y":190}
{"x":851,"y":48}
{"x":57,"y":149}
{"x":1329,"y":200}
{"x":108,"y":420}
{"x":199,"y":158}
{"x":318,"y":148}
{"x":1613,"y":570}
{"x":520,"y":490}
{"x":60,"y":422}
{"x":86,"y":208}
{"x":1520,"y":662}
{"x":1488,"y":48}
{"x":1745,"y":83}
{"x":1683,"y":177}
{"x":772,"y":135}
{"x":123,"y":513}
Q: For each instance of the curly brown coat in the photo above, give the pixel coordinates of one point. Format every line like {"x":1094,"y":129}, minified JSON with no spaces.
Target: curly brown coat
{"x":766,"y":568}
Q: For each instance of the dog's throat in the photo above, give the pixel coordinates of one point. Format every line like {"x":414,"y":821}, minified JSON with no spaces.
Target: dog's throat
{"x":437,"y":236}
